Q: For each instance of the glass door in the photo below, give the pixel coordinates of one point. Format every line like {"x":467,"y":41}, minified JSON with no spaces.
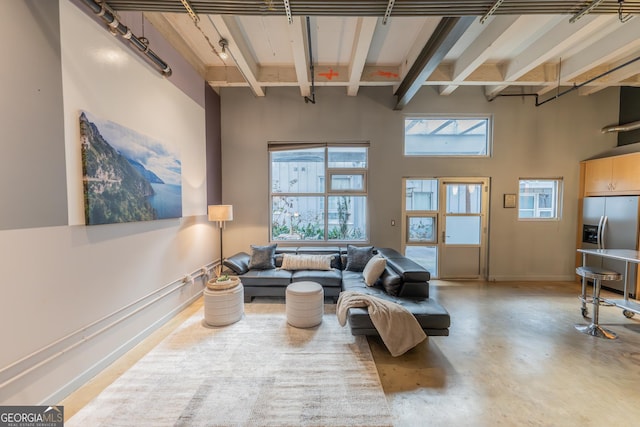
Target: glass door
{"x":463,"y":229}
{"x":445,"y":225}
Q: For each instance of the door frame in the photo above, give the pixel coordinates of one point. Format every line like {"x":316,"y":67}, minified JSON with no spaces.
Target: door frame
{"x":440,"y":225}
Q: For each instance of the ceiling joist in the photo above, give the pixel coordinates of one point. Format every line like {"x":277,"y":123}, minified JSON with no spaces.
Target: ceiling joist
{"x":447,"y":33}
{"x":512,"y":46}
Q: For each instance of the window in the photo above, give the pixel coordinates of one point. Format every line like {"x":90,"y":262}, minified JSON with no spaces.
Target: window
{"x":447,"y":136}
{"x":539,"y":198}
{"x":318,"y":192}
{"x":421,"y":222}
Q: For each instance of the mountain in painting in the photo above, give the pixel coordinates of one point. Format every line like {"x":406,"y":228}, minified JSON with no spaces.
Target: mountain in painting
{"x":150,"y":176}
{"x":114,"y":189}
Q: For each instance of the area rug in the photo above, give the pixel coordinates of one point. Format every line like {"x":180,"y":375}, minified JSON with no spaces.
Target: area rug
{"x":256,"y":372}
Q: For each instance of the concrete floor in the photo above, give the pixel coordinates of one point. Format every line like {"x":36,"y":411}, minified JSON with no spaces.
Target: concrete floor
{"x":513,"y":358}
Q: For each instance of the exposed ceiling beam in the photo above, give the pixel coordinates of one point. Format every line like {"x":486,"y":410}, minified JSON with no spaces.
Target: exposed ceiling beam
{"x":628,"y":67}
{"x":362,"y":41}
{"x":178,"y":40}
{"x":413,"y":52}
{"x":616,"y":45}
{"x":500,"y":30}
{"x":299,"y":50}
{"x":270,"y":76}
{"x":447,"y":33}
{"x":550,"y":46}
{"x":227,"y":28}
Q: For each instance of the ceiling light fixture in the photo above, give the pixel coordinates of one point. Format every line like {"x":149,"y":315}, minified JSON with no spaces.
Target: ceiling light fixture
{"x":224,"y":44}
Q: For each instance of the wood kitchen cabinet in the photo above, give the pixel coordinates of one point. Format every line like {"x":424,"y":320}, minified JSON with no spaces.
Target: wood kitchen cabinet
{"x":618,"y":175}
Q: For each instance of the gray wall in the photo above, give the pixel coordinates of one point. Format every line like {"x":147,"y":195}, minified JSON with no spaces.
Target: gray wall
{"x":529,"y":142}
{"x":32,"y":170}
{"x":74,"y":298}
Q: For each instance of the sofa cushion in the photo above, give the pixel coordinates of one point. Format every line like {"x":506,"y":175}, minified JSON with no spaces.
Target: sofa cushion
{"x":357,"y":257}
{"x":262,"y":257}
{"x":307,"y":262}
{"x":238,"y":263}
{"x":330,"y":278}
{"x":266,"y":278}
{"x":428,"y":313}
{"x":373,"y":270}
{"x":353,"y":281}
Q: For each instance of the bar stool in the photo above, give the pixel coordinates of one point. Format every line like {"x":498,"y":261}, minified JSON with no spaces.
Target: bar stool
{"x":597,"y":275}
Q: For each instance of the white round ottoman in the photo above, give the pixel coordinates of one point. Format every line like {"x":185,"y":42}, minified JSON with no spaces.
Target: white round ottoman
{"x":223,"y":306}
{"x":304,"y":304}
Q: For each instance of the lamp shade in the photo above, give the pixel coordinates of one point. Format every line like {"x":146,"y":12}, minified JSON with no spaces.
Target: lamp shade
{"x":220,"y":213}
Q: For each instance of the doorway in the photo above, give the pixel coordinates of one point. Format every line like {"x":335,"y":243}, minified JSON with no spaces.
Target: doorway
{"x":445,"y":225}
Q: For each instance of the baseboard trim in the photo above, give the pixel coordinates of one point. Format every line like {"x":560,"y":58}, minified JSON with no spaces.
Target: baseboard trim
{"x":98,"y":367}
{"x":562,"y":278}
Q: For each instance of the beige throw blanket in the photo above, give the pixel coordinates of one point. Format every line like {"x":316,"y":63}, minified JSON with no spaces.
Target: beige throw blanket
{"x":399,"y":330}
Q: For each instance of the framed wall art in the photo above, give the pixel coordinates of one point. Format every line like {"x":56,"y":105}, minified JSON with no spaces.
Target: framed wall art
{"x":127,"y":176}
{"x":509,"y":201}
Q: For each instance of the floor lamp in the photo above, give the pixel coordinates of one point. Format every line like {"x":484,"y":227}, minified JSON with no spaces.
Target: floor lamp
{"x":221,"y":214}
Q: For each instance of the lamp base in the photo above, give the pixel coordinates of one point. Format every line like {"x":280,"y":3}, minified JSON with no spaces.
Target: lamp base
{"x":217,"y":270}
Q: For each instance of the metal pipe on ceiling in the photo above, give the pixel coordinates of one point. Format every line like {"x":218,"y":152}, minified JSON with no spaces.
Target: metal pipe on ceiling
{"x":599,"y":76}
{"x":311,"y":99}
{"x":103,"y":11}
{"x":621,"y":128}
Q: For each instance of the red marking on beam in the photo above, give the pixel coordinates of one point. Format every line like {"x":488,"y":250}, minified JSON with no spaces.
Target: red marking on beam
{"x":330,"y":75}
{"x":387,"y":74}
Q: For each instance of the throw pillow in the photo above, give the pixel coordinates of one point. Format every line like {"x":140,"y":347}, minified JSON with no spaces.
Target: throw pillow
{"x":373,"y":270}
{"x":358,"y":257}
{"x":239,"y":263}
{"x":306,"y":262}
{"x":262,"y":257}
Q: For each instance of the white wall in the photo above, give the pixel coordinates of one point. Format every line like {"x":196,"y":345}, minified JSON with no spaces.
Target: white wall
{"x":65,"y":279}
{"x":530,"y":142}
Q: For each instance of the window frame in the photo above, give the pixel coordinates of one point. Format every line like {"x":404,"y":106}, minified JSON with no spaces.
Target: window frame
{"x":489,"y":134}
{"x":559,"y":196}
{"x":328,"y":192}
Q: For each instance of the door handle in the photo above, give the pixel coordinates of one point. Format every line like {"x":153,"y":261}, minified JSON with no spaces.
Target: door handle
{"x":444,"y":237}
{"x":599,"y":233}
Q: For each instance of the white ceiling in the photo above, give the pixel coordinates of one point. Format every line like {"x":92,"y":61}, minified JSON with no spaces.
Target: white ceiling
{"x":506,"y":54}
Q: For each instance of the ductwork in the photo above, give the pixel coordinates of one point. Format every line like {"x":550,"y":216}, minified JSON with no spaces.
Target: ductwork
{"x":103,"y":11}
{"x":621,"y":128}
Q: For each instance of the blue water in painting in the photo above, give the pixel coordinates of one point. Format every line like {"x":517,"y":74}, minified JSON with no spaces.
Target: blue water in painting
{"x":167,"y":201}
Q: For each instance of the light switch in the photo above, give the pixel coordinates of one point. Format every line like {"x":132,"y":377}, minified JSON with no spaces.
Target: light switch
{"x":393,"y":222}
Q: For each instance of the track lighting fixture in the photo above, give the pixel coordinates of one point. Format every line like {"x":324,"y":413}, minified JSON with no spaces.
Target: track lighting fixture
{"x":224,"y":44}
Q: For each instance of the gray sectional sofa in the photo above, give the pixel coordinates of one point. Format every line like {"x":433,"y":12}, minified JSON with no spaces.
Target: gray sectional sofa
{"x":403,"y":281}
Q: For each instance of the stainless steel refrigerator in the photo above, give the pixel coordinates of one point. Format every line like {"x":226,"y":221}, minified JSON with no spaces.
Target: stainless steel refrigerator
{"x":611,"y":223}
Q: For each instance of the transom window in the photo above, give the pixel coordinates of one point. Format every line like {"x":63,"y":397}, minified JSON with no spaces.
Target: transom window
{"x":539,"y":198}
{"x":318,"y":192}
{"x":447,"y":136}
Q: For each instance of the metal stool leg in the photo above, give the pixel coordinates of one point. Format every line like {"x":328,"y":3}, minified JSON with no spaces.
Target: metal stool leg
{"x":583,"y":299}
{"x":594,"y":329}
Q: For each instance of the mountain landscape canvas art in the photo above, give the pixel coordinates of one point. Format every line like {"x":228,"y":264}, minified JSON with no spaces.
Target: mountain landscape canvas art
{"x":127,"y":176}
